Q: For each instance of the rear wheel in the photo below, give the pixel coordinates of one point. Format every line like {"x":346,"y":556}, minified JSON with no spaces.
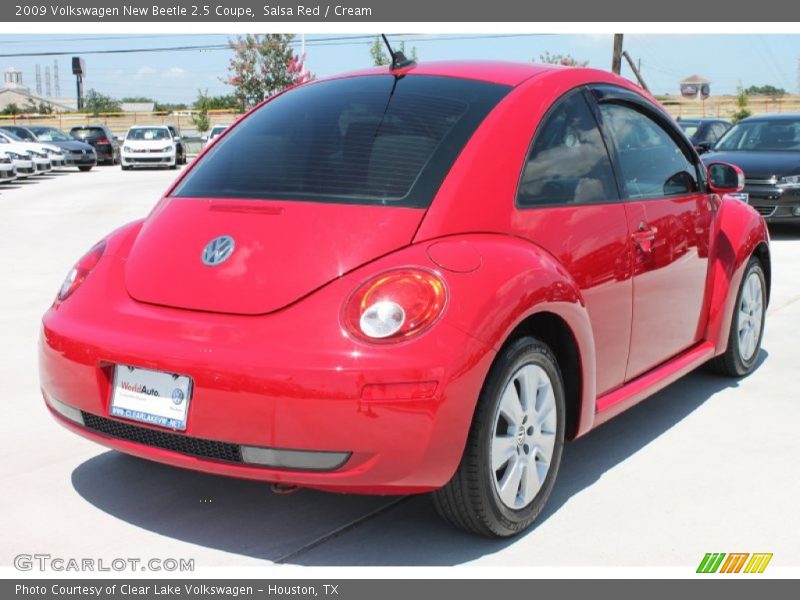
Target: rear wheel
{"x":747,"y":325}
{"x":514,"y":447}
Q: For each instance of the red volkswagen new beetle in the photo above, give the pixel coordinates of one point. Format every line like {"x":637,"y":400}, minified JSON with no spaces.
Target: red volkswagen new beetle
{"x":407,"y":281}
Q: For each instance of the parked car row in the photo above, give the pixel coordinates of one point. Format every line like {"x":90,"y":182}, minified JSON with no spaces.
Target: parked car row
{"x":26,"y":151}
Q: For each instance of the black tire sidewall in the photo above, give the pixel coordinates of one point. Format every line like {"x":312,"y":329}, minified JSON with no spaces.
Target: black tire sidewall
{"x":746,"y":366}
{"x":520,"y":353}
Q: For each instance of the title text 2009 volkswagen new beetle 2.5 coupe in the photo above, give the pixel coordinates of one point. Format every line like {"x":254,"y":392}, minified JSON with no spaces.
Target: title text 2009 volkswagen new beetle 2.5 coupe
{"x":418,"y":280}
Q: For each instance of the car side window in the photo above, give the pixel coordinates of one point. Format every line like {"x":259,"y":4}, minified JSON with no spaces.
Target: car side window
{"x":652,"y":164}
{"x":719,"y":130}
{"x":568,"y":162}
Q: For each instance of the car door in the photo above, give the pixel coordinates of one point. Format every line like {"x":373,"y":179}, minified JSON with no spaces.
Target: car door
{"x":568,"y":202}
{"x":669,"y":216}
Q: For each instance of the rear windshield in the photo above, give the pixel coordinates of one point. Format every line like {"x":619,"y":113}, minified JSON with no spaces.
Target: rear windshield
{"x":88,"y":132}
{"x":362,"y":140}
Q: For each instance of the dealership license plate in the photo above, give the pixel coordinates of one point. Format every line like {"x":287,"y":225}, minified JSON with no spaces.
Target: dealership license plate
{"x":741,"y":196}
{"x":151,"y":397}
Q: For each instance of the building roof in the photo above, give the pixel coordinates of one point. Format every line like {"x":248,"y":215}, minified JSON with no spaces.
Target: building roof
{"x":699,"y":79}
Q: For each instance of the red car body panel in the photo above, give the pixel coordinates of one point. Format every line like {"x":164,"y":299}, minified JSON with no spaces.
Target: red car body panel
{"x":273,"y":366}
{"x":271,"y":247}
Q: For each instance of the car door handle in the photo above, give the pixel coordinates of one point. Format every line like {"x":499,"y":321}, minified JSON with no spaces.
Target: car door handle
{"x":644,"y":238}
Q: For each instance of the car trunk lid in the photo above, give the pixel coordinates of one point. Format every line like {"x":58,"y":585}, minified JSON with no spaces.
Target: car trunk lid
{"x":283,"y":250}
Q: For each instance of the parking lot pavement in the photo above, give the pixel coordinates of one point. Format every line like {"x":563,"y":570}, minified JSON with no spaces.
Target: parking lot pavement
{"x":709,"y":464}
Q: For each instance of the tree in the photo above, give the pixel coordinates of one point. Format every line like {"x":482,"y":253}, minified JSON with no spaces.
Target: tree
{"x":225,"y":102}
{"x":566,"y":60}
{"x":263,"y":65}
{"x":200,"y":119}
{"x":94,"y":102}
{"x":378,"y":52}
{"x":137,"y":99}
{"x":379,"y":55}
{"x":741,"y":104}
{"x":12,"y":109}
{"x":765,"y":90}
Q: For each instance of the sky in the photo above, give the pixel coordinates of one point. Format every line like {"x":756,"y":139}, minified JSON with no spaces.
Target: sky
{"x":176,"y":75}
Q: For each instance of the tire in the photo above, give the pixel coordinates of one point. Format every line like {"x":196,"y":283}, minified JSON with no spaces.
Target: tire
{"x":472,"y":499}
{"x":124,"y":167}
{"x":85,"y":168}
{"x":747,"y":325}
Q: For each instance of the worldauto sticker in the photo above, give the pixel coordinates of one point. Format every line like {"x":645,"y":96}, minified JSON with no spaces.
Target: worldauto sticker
{"x":138,"y":388}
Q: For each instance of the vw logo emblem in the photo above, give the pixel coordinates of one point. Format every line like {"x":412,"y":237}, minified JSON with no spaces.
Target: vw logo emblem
{"x":218,"y":250}
{"x":177,"y":396}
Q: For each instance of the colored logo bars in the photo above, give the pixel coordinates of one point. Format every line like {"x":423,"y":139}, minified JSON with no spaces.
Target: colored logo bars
{"x":737,"y":562}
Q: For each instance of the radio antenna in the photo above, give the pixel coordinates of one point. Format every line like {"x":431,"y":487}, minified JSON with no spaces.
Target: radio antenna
{"x":399,"y":60}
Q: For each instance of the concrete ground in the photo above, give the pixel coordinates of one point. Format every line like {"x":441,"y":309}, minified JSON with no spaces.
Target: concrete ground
{"x":709,"y":464}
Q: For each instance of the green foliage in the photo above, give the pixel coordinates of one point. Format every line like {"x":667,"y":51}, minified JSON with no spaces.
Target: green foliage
{"x":378,"y":52}
{"x":226,"y":102}
{"x":741,"y":103}
{"x":95,"y":103}
{"x":263,"y":65}
{"x":765,"y":90}
{"x":380,"y":56}
{"x":137,"y":99}
{"x":200,"y":119}
{"x":169,"y":107}
{"x":12,"y":109}
{"x":566,"y":60}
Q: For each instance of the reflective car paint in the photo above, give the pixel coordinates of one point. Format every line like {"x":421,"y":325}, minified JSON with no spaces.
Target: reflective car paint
{"x":294,"y":378}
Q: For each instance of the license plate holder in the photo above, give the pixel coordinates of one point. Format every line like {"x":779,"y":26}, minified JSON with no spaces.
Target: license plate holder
{"x":151,"y":397}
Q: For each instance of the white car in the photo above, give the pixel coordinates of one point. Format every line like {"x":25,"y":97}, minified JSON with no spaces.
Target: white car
{"x":27,"y":161}
{"x":149,"y":146}
{"x":22,"y":162}
{"x":8,"y":172}
{"x":215,"y":131}
{"x":53,"y":155}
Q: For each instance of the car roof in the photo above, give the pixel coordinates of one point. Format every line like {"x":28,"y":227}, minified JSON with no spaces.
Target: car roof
{"x":500,"y":72}
{"x":703,"y":120}
{"x":150,"y":127}
{"x":774,"y":117}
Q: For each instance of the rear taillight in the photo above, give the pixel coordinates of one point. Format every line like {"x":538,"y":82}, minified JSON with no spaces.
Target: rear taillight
{"x":395,"y":305}
{"x":81,"y":270}
{"x":103,"y":141}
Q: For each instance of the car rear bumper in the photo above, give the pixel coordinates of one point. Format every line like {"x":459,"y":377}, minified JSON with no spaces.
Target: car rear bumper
{"x":80,"y":160}
{"x":398,"y":413}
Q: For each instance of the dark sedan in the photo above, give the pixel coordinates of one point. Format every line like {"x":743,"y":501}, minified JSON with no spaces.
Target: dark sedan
{"x":704,"y":133}
{"x":767,"y":149}
{"x":76,"y":154}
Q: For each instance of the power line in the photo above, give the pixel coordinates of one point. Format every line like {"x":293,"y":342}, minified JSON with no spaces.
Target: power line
{"x":332,"y":41}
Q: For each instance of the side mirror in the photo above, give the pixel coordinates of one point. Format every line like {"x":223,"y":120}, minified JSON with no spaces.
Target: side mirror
{"x":177,"y":138}
{"x":724,"y":178}
{"x":703,"y":147}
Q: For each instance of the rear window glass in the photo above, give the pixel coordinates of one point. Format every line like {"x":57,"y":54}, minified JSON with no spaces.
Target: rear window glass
{"x":88,"y":132}
{"x":364,"y":140}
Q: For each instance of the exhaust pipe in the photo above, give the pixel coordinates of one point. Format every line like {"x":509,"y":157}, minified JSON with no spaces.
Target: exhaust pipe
{"x":284,"y":489}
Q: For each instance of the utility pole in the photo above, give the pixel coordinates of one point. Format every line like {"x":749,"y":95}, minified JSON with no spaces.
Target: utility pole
{"x":635,"y":70}
{"x":616,"y":59}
